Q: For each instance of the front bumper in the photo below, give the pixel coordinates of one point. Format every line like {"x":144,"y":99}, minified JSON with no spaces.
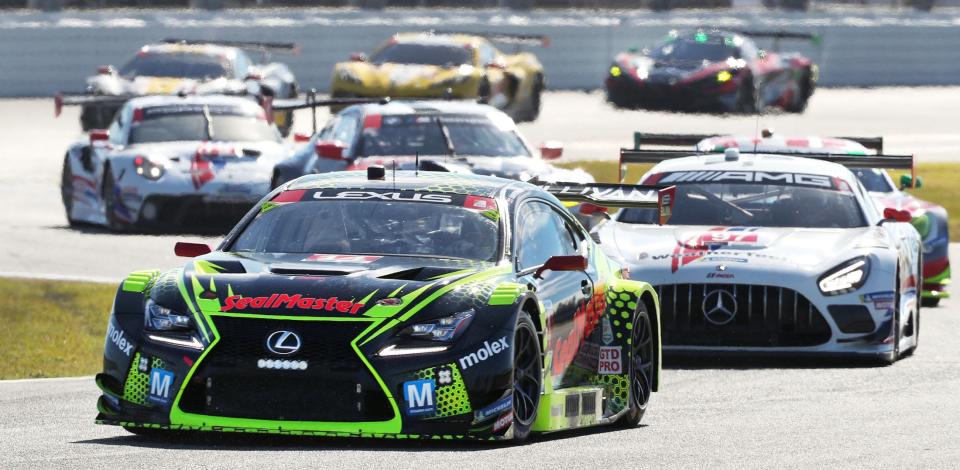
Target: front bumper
{"x":346,"y":390}
{"x":628,"y":92}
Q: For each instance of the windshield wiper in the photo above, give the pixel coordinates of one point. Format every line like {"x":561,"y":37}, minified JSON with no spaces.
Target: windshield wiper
{"x":209,"y":120}
{"x":446,"y":138}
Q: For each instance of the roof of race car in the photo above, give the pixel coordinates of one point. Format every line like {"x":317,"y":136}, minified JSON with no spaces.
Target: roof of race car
{"x":432,"y":181}
{"x":468,"y":107}
{"x":777,"y":142}
{"x":206,"y":49}
{"x":151,"y":101}
{"x":456,"y":39}
{"x":755,"y":162}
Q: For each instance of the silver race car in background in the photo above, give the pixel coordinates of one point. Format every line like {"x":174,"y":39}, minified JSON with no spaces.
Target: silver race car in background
{"x":929,"y":219}
{"x":773,"y":254}
{"x":179,"y":66}
{"x":441,"y":135}
{"x":172,"y":161}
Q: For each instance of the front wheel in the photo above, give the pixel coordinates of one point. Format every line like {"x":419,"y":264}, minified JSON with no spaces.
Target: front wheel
{"x":111,"y":202}
{"x":66,"y":189}
{"x":642,"y":362}
{"x":527,"y":376}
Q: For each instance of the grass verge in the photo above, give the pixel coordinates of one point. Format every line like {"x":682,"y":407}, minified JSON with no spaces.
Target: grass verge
{"x":52,"y":328}
{"x":939,"y":183}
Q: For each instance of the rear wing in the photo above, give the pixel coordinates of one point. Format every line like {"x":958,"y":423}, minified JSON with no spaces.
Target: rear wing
{"x":691,"y":140}
{"x":81,"y":99}
{"x":617,"y":195}
{"x":890,"y":162}
{"x":506,"y":38}
{"x":288,"y":47}
{"x":779,"y":35}
{"x":310,"y":101}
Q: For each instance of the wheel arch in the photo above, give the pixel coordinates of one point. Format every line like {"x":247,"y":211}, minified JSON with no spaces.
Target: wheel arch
{"x":648,"y":295}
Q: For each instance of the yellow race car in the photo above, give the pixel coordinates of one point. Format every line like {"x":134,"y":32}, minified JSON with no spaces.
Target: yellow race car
{"x":448,"y":65}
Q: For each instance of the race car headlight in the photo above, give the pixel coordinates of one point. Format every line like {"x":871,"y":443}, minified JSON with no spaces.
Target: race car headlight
{"x":158,"y":318}
{"x":444,"y":329}
{"x":147,"y":169}
{"x":847,"y":277}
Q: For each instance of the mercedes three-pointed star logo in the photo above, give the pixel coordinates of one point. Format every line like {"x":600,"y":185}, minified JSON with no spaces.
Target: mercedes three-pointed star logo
{"x":719,"y":307}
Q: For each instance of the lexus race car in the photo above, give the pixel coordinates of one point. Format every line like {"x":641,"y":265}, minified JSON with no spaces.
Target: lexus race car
{"x":439,"y":135}
{"x":448,"y":65}
{"x":168,"y":161}
{"x":774,"y":253}
{"x":177,"y":66}
{"x":929,"y":219}
{"x":713,"y":70}
{"x":379,"y":305}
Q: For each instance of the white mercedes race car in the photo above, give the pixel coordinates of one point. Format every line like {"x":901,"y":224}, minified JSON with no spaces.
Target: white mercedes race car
{"x":168,"y":161}
{"x":772,"y":254}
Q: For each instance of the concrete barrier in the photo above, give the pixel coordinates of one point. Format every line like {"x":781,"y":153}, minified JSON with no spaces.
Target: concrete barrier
{"x":42,"y":52}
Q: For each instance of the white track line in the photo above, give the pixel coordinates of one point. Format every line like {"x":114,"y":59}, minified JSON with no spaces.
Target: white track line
{"x":60,"y":277}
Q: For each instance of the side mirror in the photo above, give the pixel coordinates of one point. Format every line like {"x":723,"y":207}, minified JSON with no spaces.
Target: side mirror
{"x":358,"y":57}
{"x":551,"y":150}
{"x":896,"y":215}
{"x":106,"y":70}
{"x":563,"y":263}
{"x":191,"y":250}
{"x":330,"y":149}
{"x":906,"y":181}
{"x":301,"y":137}
{"x":99,"y":135}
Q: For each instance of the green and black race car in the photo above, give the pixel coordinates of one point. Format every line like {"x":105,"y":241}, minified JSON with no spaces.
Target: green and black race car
{"x":426,"y":305}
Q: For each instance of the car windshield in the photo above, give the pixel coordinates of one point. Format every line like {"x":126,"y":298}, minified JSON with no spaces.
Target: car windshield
{"x":428,"y":135}
{"x":375,"y":227}
{"x":687,"y":50}
{"x":756,"y":205}
{"x":423,"y":54}
{"x":873,"y":180}
{"x":175,"y":64}
{"x":195,"y":125}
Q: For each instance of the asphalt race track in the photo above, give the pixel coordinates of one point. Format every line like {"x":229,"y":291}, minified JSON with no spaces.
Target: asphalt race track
{"x":37,"y":240}
{"x":729,"y":413}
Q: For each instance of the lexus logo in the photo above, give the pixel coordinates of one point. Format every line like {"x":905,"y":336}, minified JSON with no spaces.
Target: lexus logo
{"x":719,"y":307}
{"x":283,"y":342}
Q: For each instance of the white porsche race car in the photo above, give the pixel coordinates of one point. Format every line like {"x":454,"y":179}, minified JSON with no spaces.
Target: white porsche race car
{"x":168,"y":161}
{"x":773,"y":253}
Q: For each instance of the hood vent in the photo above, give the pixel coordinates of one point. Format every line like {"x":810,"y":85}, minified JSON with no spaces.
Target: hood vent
{"x":307,"y":272}
{"x":419,"y":274}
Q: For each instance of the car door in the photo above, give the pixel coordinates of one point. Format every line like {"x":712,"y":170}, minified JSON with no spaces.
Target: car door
{"x":566,"y":296}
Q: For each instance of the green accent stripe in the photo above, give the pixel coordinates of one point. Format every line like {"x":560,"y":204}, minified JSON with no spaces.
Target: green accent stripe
{"x":193,"y":310}
{"x":137,"y":281}
{"x":506,"y":293}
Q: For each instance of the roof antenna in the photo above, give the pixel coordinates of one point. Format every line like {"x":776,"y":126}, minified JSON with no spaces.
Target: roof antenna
{"x":756,"y":134}
{"x":416,"y":168}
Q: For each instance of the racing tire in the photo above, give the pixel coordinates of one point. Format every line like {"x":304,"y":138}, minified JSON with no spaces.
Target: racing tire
{"x":799,"y":103}
{"x":748,"y":97}
{"x":483,"y":91}
{"x":930,"y":301}
{"x":642,"y":362}
{"x":527,"y":376}
{"x":536,"y":101}
{"x":110,"y":202}
{"x":892,"y":357}
{"x":66,"y":190}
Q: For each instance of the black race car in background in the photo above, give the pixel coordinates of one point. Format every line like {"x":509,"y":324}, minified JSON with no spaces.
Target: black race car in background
{"x":178,"y":66}
{"x":713,"y":70}
{"x":391,"y":305}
